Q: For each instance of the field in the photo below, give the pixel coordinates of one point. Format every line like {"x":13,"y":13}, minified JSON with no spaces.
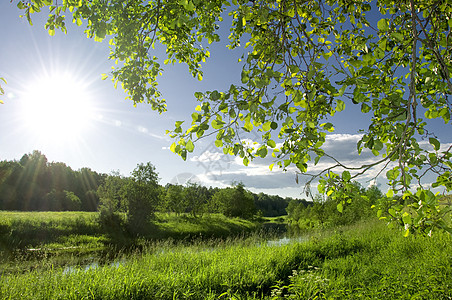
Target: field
{"x":366,"y":260}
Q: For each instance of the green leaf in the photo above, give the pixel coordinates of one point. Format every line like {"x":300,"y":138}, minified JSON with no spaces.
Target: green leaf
{"x":245,"y":76}
{"x":378,"y":145}
{"x":248,"y":126}
{"x":406,"y":218}
{"x":217,"y":124}
{"x":215,"y":95}
{"x":346,"y":176}
{"x":436,"y":144}
{"x":173,"y":147}
{"x":271,"y":143}
{"x":340,"y":105}
{"x":398,"y":36}
{"x":390,"y":193}
{"x":383,"y":25}
{"x":340,"y":207}
{"x":365,"y":108}
{"x":392,"y":212}
{"x":407,"y":232}
{"x":266,"y":126}
{"x":379,"y":212}
{"x":316,"y":160}
{"x":262,"y":152}
{"x":189,"y":146}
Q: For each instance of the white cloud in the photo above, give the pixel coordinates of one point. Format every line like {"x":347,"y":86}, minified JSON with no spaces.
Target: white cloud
{"x":142,"y":129}
{"x":221,"y":170}
{"x":207,"y":157}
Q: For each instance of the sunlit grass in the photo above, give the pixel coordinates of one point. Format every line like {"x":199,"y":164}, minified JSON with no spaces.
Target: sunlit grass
{"x":366,"y":260}
{"x":19,"y":230}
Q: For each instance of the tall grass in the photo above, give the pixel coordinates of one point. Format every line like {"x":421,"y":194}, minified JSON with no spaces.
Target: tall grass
{"x":366,"y":261}
{"x":20,"y":230}
{"x":35,"y":229}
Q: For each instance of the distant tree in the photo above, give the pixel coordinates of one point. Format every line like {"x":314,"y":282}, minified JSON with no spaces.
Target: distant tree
{"x":143,"y":197}
{"x":195,"y":197}
{"x":294,"y":209}
{"x":61,"y":176}
{"x":71,"y":201}
{"x":112,"y":195}
{"x":61,"y":200}
{"x":33,"y":182}
{"x":319,"y":210}
{"x":235,"y":201}
{"x":10,"y":172}
{"x":86,"y":184}
{"x":29,"y":183}
{"x":271,"y":205}
{"x":174,"y":200}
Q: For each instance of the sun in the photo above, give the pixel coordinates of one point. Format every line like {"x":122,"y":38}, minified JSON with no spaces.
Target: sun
{"x":57,"y":108}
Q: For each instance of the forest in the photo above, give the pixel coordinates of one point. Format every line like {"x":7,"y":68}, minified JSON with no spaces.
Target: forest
{"x":35,"y":184}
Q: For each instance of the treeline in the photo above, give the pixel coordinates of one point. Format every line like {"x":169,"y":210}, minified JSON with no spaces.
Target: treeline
{"x":35,"y":184}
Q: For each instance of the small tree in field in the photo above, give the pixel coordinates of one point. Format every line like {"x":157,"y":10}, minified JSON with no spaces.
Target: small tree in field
{"x":112,"y":202}
{"x":143,"y":196}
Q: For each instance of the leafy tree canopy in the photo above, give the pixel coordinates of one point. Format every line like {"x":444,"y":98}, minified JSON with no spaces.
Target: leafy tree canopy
{"x":306,"y":62}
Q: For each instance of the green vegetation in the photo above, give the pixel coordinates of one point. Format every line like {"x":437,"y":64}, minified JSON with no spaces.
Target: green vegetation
{"x":327,"y":212}
{"x":304,"y":63}
{"x":34,"y":184}
{"x":366,"y":260}
{"x":58,"y":230}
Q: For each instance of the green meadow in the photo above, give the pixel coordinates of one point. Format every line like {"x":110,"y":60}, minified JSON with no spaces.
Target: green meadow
{"x":366,"y":260}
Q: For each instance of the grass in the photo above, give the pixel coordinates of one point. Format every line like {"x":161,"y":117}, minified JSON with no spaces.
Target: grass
{"x":209,"y":225}
{"x":366,"y":261}
{"x":58,"y":230}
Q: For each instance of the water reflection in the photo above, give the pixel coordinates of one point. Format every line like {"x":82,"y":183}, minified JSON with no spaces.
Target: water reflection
{"x":286,"y":240}
{"x":70,"y":269}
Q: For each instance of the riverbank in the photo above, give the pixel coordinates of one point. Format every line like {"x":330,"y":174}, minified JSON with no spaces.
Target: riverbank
{"x":81,"y":230}
{"x":366,"y":260}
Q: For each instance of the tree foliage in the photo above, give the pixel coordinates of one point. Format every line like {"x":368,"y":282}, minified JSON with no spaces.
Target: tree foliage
{"x":174,"y":200}
{"x":33,"y":183}
{"x":235,"y":201}
{"x":142,"y":193}
{"x":323,"y":211}
{"x":306,"y":62}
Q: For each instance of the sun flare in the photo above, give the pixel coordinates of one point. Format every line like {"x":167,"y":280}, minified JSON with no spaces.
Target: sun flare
{"x":57,"y":108}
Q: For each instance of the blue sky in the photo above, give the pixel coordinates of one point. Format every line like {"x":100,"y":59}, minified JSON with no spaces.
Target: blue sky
{"x":111,"y":134}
